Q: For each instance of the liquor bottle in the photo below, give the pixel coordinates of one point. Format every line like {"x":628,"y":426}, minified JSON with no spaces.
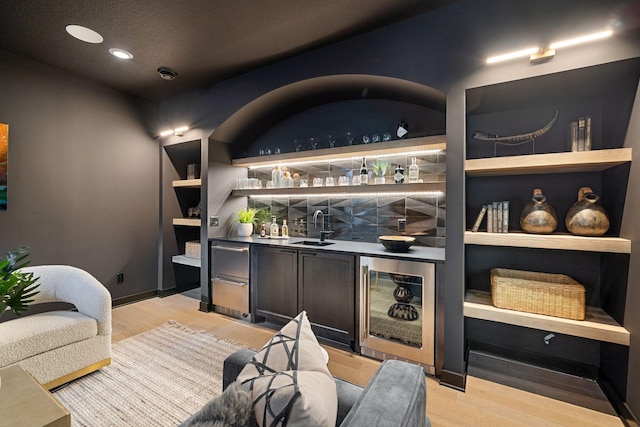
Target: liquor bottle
{"x":274,"y":228}
{"x":398,"y":178}
{"x":403,"y":129}
{"x":364,"y":175}
{"x":414,"y":171}
{"x":263,"y":230}
{"x":285,"y":229}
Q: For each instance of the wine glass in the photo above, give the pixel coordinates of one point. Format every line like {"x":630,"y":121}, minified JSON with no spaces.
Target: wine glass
{"x":349,"y":138}
{"x":375,"y":138}
{"x":332,"y":141}
{"x":298,"y":144}
{"x":366,"y":139}
{"x":386,"y":136}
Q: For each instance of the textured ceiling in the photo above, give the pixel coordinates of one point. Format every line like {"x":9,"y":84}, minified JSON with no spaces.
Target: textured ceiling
{"x":203,"y":41}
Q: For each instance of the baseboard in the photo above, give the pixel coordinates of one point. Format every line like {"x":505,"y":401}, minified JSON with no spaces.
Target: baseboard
{"x":585,"y":392}
{"x":133,"y":298}
{"x":454,"y":380}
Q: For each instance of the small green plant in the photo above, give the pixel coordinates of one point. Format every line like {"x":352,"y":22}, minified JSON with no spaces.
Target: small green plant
{"x":380,"y":168}
{"x":263,"y":215}
{"x":247,"y":216}
{"x":16,"y":288}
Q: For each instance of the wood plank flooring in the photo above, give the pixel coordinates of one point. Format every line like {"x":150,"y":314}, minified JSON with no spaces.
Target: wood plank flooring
{"x":483,"y":404}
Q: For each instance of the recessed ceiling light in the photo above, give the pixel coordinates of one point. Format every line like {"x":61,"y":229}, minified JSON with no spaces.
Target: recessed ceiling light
{"x":83,"y":33}
{"x":119,"y":53}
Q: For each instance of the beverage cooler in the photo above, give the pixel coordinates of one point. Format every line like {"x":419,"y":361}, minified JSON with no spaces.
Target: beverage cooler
{"x":397,"y":310}
{"x":230,"y":279}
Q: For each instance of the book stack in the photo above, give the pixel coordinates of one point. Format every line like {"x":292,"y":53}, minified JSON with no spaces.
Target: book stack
{"x":581,"y":134}
{"x":497,"y":214}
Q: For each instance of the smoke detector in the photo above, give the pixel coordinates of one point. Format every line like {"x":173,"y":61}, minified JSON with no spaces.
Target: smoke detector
{"x":167,"y":73}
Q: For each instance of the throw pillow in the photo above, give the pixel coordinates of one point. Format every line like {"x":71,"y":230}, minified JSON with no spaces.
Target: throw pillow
{"x":234,"y":408}
{"x":289,"y":381}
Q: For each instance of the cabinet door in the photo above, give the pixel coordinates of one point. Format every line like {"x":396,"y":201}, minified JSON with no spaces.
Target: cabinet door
{"x":326,"y":292}
{"x":274,"y":283}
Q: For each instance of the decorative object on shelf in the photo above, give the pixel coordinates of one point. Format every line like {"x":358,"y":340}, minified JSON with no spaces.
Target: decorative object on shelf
{"x":193,"y":171}
{"x":16,"y":288}
{"x":580,"y":132}
{"x":542,"y":293}
{"x":515,"y":139}
{"x":497,"y":217}
{"x":479,"y":218}
{"x":538,"y":216}
{"x":349,"y":138}
{"x":587,"y":217}
{"x":246,"y":219}
{"x":192,"y":249}
{"x":398,"y":178}
{"x":364,"y":174}
{"x":403,"y":295}
{"x":194,"y":212}
{"x":403,"y":129}
{"x":380,"y":169}
{"x":414,"y":171}
{"x":397,"y":243}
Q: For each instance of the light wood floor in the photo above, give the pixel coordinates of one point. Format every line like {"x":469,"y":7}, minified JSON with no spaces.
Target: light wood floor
{"x":483,"y":404}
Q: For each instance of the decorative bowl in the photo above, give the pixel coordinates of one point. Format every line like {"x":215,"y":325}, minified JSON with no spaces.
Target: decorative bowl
{"x":397,"y":243}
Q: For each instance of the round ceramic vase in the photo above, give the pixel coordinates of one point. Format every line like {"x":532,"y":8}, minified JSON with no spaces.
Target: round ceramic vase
{"x":245,"y":229}
{"x":587,"y":217}
{"x":538,"y":216}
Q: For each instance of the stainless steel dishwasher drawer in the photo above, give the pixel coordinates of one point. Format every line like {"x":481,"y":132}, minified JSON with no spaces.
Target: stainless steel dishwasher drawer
{"x":231,"y":293}
{"x":230,"y":260}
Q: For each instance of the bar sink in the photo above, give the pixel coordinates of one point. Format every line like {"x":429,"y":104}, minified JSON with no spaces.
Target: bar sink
{"x":313,"y":243}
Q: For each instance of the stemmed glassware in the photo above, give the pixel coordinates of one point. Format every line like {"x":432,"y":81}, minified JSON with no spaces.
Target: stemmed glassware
{"x":313,"y":143}
{"x":349,"y":138}
{"x":332,"y":141}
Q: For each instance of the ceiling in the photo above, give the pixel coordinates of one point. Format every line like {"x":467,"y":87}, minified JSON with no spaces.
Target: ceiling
{"x":204,"y":41}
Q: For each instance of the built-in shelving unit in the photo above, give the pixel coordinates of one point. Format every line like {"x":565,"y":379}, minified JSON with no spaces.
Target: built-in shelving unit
{"x":187,"y":183}
{"x":598,"y":325}
{"x":187,"y":222}
{"x":184,"y":260}
{"x":549,"y":241}
{"x":347,"y":189}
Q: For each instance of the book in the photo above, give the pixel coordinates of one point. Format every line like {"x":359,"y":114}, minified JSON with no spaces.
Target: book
{"x":494,"y":226}
{"x":490,"y":218}
{"x":581,"y":130}
{"x":587,"y":133}
{"x":476,"y":225}
{"x":573,"y":134}
{"x":505,"y":216}
{"x":499,"y":217}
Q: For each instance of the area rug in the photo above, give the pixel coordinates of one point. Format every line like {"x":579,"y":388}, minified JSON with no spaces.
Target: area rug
{"x":157,"y":378}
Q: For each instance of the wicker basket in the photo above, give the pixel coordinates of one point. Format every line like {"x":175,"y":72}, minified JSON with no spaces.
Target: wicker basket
{"x":192,"y":249}
{"x":542,"y":293}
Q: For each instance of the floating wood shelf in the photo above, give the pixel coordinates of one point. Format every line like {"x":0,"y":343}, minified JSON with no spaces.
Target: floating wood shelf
{"x":598,"y":325}
{"x":361,"y":150}
{"x":580,"y":161}
{"x":184,"y":260}
{"x":550,"y":241}
{"x":189,"y":222}
{"x":187,"y":183}
{"x":346,"y":189}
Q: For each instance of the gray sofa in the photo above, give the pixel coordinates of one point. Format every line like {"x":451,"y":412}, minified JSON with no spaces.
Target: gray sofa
{"x":395,"y":396}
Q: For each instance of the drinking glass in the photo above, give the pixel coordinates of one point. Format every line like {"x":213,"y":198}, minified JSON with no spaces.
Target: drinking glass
{"x":329,"y":181}
{"x":298,"y":144}
{"x":365,"y":139}
{"x":349,"y":137}
{"x":375,"y":138}
{"x":313,"y":143}
{"x":386,"y":136}
{"x":317,"y":182}
{"x":304,"y":183}
{"x":343,"y":180}
{"x":332,"y":141}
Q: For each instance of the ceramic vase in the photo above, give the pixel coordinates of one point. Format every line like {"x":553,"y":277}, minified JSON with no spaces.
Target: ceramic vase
{"x":587,"y":217}
{"x":538,"y":216}
{"x":245,"y":229}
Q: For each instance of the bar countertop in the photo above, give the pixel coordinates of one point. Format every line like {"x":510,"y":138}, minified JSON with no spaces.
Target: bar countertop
{"x":415,"y":253}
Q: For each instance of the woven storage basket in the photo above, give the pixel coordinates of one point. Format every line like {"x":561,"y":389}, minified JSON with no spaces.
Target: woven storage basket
{"x":542,"y":293}
{"x":192,"y":249}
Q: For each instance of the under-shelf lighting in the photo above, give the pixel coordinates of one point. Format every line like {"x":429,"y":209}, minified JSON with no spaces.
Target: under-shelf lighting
{"x":377,"y":193}
{"x":338,"y":158}
{"x":547,"y":52}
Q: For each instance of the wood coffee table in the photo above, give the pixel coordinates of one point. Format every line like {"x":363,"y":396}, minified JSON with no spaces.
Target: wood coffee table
{"x":23,"y":402}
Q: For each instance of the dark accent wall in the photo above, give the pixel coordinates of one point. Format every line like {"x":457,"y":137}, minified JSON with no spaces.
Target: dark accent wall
{"x":83,"y":175}
{"x":445,"y":49}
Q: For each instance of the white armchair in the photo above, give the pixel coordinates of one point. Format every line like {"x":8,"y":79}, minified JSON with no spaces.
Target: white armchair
{"x":59,"y":346}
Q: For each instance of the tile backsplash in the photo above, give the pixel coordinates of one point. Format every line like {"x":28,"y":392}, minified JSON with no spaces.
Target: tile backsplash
{"x":362,"y":217}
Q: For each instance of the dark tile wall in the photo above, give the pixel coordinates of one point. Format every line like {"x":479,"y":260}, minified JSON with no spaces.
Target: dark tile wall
{"x":363,"y":217}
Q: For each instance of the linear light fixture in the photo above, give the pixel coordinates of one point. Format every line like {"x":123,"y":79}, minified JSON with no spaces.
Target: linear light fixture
{"x":179,"y":131}
{"x":545,"y":53}
{"x":333,"y":160}
{"x":347,"y":194}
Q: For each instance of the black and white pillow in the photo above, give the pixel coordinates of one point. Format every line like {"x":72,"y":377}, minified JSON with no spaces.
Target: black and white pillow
{"x":289,"y":381}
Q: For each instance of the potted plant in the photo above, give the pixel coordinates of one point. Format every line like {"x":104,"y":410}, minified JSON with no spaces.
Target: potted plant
{"x":247,"y":219}
{"x":16,"y":288}
{"x":380,"y":169}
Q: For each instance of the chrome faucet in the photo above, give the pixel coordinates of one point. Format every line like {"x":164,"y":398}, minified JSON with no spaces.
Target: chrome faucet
{"x":323,"y":234}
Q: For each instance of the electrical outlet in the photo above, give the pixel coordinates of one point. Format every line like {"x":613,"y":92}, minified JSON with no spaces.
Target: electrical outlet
{"x":214,"y":221}
{"x":120,"y":277}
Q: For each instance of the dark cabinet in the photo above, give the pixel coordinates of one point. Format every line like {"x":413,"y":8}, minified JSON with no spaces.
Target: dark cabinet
{"x":326,"y":290}
{"x":286,"y":281}
{"x":274,"y":283}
